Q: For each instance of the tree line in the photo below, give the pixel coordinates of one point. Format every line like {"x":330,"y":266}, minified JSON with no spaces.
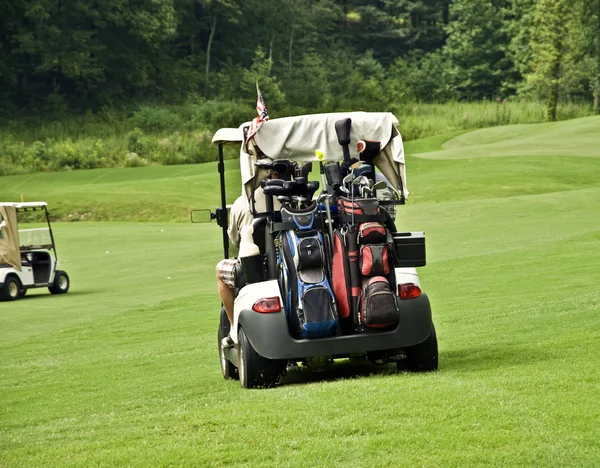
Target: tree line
{"x":307,"y":55}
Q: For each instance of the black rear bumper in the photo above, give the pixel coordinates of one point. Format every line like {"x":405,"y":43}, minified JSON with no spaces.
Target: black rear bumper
{"x":270,"y":336}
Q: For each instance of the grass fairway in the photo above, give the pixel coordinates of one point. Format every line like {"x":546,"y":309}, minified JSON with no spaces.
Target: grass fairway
{"x":123,"y":370}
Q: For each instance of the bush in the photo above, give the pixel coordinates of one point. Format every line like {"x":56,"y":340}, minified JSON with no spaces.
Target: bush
{"x":156,"y":119}
{"x":183,"y":134}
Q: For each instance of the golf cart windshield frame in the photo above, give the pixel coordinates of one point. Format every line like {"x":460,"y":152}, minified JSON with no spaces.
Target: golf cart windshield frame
{"x":38,"y":206}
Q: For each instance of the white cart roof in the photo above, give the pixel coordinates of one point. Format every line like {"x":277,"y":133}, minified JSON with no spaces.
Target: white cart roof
{"x":298,"y":137}
{"x":25,"y":205}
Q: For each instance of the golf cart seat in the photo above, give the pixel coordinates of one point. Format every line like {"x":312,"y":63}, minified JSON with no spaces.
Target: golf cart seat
{"x":24,"y":260}
{"x":260,"y":238}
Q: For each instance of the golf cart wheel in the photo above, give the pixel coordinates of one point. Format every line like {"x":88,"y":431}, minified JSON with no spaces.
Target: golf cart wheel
{"x":61,"y":283}
{"x":228,"y":370}
{"x":10,"y":290}
{"x":255,"y":370}
{"x":22,"y":292}
{"x":422,"y":357}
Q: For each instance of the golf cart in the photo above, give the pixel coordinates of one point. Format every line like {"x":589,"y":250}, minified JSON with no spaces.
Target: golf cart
{"x":332,"y":277}
{"x":27,"y":256}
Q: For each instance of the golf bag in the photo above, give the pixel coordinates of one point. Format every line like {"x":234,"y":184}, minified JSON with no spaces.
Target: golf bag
{"x":310,"y":302}
{"x":363,"y":260}
{"x":345,"y":273}
{"x":378,"y":307}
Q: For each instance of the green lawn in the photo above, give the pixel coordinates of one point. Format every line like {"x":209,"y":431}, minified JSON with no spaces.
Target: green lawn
{"x":123,"y":370}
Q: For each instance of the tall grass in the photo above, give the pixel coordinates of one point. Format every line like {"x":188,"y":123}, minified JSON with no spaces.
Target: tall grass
{"x":423,"y":120}
{"x":164,"y":135}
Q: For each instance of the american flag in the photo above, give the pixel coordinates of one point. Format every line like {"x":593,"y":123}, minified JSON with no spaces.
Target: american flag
{"x":263,"y":116}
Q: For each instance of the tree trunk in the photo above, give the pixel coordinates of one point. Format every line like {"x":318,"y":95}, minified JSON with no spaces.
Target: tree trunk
{"x":213,"y":28}
{"x":291,"y":44}
{"x":552,"y":102}
{"x":596,"y":30}
{"x":554,"y":83}
{"x":270,"y":55}
{"x":596,"y":105}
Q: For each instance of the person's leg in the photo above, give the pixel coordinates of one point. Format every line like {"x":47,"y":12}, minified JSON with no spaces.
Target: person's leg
{"x":227,"y":296}
{"x":225,"y":286}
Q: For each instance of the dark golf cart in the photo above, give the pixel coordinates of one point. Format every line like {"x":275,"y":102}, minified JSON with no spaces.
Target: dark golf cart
{"x":318,"y":234}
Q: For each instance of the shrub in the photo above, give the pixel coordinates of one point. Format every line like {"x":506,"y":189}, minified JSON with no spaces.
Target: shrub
{"x":156,"y":119}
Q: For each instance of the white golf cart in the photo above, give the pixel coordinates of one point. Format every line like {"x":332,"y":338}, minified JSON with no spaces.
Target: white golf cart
{"x":265,"y":342}
{"x":27,"y":256}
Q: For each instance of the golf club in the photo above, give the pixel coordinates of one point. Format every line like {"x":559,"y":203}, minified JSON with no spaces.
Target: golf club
{"x":320,"y":155}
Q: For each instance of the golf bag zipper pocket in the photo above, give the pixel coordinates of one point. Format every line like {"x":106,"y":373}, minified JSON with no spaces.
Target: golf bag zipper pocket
{"x":379,"y":308}
{"x":374,"y":260}
{"x":371,"y":233}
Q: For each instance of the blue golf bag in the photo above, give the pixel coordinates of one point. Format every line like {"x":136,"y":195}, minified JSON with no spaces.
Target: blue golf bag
{"x":310,"y":302}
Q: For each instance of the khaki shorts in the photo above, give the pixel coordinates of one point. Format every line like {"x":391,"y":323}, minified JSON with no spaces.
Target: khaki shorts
{"x":226,"y":271}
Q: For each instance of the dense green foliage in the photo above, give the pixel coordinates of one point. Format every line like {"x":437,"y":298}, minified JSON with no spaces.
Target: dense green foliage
{"x":308,"y":55}
{"x":132,"y":83}
{"x":167,"y":135}
{"x":124,"y":371}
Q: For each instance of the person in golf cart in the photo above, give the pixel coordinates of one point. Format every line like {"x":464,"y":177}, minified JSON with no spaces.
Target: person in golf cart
{"x":241,"y":214}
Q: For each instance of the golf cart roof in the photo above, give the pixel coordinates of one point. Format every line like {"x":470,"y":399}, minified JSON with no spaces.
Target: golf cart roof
{"x":298,"y":137}
{"x":24,"y":206}
{"x":229,"y":135}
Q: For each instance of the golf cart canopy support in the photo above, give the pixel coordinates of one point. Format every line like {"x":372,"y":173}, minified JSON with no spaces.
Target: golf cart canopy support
{"x":10,"y":254}
{"x":298,"y":137}
{"x":10,"y":245}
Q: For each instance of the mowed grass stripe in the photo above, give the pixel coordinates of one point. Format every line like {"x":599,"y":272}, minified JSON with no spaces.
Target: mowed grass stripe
{"x":577,"y":137}
{"x":127,"y":374}
{"x":526,"y":398}
{"x":115,"y":267}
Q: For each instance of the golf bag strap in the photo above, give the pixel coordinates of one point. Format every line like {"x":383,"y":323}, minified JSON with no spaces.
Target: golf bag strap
{"x":289,"y":226}
{"x":347,"y":218}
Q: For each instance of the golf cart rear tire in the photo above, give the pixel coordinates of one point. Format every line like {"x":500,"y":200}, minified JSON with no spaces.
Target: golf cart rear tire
{"x":11,"y":289}
{"x":61,"y":283}
{"x":255,"y":370}
{"x":228,"y":370}
{"x":422,"y":357}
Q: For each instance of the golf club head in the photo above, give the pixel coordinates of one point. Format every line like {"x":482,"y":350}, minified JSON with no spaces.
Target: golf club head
{"x":311,"y":188}
{"x":363,"y":169}
{"x":270,"y":182}
{"x":360,"y":180}
{"x":304,"y":170}
{"x":264,"y":163}
{"x":274,"y":190}
{"x":290,"y":187}
{"x":359,"y":184}
{"x":300,"y":186}
{"x":379,"y":185}
{"x":284,"y":169}
{"x":324,"y":196}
